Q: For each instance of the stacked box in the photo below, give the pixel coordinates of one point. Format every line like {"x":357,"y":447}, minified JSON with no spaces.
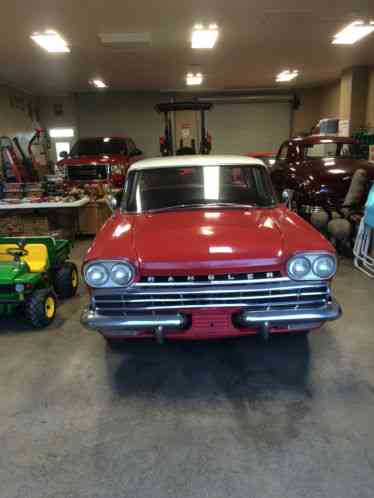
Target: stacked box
{"x":35,"y":224}
{"x":11,"y":225}
{"x":34,"y":190}
{"x":13,"y":191}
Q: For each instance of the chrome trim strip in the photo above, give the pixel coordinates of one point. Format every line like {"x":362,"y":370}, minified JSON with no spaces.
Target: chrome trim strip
{"x":182,"y":306}
{"x":291,"y":286}
{"x":179,"y":297}
{"x":211,"y":282}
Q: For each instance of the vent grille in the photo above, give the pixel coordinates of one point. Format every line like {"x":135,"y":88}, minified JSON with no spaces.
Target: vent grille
{"x":253,"y":294}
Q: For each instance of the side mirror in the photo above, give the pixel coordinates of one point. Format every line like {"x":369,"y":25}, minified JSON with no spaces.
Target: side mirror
{"x":112,"y":202}
{"x":287,"y":196}
{"x":63,"y":154}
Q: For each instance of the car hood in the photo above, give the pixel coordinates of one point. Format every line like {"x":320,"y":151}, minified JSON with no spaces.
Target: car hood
{"x":204,"y":240}
{"x":92,"y":160}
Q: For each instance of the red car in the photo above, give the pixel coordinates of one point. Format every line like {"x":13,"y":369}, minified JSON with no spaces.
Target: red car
{"x":94,"y":159}
{"x":200,"y":248}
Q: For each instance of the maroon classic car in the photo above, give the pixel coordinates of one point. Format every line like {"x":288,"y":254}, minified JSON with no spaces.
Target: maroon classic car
{"x":92,"y":159}
{"x":317,"y":170}
{"x":200,"y":248}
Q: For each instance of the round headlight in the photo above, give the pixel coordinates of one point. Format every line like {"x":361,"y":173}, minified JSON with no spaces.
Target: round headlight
{"x":96,"y":275}
{"x":298,"y":267}
{"x":324,"y":266}
{"x":122,"y":273}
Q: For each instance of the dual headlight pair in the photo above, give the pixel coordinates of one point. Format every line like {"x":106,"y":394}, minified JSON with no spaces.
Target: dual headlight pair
{"x":109,"y":274}
{"x":312,"y":266}
{"x":307,"y":266}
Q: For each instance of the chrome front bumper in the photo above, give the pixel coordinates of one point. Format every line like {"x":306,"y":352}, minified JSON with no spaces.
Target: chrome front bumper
{"x":132,"y":325}
{"x":329,"y":312}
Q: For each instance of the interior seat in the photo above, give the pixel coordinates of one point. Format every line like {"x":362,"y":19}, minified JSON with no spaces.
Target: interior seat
{"x":37,"y":257}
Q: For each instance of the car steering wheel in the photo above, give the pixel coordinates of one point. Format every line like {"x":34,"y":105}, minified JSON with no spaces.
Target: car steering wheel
{"x":17,"y":252}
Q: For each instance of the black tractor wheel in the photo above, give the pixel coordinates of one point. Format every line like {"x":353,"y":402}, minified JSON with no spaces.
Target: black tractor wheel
{"x":67,"y":280}
{"x":40,"y":308}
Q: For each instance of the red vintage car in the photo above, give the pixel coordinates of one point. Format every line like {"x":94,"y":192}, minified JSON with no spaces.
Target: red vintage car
{"x":99,"y":159}
{"x":200,"y":248}
{"x":317,"y":171}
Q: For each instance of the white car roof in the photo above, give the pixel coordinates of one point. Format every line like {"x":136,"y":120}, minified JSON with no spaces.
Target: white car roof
{"x":194,"y":160}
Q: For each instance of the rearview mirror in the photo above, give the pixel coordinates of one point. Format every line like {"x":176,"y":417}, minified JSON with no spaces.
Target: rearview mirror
{"x":112,"y":202}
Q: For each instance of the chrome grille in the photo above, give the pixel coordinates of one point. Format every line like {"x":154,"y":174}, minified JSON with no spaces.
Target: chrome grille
{"x":253,"y":294}
{"x":86,"y":172}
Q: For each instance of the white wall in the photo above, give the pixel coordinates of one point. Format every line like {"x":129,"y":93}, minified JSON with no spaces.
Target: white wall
{"x":122,"y":114}
{"x":14,"y":114}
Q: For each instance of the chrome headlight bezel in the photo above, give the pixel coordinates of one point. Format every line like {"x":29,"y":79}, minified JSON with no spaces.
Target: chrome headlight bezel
{"x":125,"y":267}
{"x":333,"y":262}
{"x":108,"y":266}
{"x":313,"y":259}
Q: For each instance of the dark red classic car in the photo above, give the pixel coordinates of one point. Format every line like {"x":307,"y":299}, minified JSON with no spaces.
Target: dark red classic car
{"x":200,"y":248}
{"x":317,"y":170}
{"x":99,"y":159}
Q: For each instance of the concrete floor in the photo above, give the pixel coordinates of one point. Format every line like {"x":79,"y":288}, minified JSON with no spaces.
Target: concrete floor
{"x":294,"y":418}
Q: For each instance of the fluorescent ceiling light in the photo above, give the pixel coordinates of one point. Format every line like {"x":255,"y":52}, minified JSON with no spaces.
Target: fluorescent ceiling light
{"x":194,"y":79}
{"x":98,"y":83}
{"x":353,"y":33}
{"x":61,"y":133}
{"x":204,"y":37}
{"x":51,"y":41}
{"x":287,"y":75}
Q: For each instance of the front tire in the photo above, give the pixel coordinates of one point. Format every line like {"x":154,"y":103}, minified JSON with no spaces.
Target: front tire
{"x":67,"y":280}
{"x":41,"y":308}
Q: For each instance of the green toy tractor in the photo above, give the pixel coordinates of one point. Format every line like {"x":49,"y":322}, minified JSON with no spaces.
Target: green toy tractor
{"x":33,"y":272}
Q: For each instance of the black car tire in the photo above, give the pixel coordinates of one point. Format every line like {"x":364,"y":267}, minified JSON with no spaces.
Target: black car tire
{"x":40,"y":308}
{"x":67,"y":280}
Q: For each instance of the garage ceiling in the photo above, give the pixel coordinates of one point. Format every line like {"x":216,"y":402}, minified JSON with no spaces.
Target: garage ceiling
{"x":256,"y":42}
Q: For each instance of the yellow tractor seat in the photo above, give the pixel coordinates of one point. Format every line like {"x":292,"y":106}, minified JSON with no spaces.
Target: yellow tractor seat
{"x":37,"y":257}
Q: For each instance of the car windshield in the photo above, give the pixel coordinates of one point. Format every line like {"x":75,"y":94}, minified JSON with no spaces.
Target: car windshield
{"x":333,"y":149}
{"x":98,"y":146}
{"x":197,"y":186}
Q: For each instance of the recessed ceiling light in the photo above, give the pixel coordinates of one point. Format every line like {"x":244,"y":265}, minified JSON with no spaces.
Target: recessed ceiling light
{"x":353,"y":33}
{"x":61,"y":132}
{"x":287,"y":75}
{"x":98,"y":83}
{"x":204,"y":37}
{"x":51,"y":41}
{"x":194,"y":79}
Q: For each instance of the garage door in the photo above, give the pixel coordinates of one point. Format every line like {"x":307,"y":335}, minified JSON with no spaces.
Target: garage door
{"x":241,"y":128}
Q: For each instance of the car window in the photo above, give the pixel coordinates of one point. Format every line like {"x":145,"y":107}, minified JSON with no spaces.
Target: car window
{"x":283,"y":153}
{"x":165,"y":188}
{"x":131,"y":147}
{"x":95,"y":146}
{"x":332,"y":149}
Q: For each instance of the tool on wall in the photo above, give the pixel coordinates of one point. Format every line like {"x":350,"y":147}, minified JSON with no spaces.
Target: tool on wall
{"x":39,"y":151}
{"x":31,"y":172}
{"x":13,"y":169}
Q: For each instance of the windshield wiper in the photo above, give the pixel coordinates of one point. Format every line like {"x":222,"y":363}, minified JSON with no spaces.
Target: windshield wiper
{"x":203,"y":205}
